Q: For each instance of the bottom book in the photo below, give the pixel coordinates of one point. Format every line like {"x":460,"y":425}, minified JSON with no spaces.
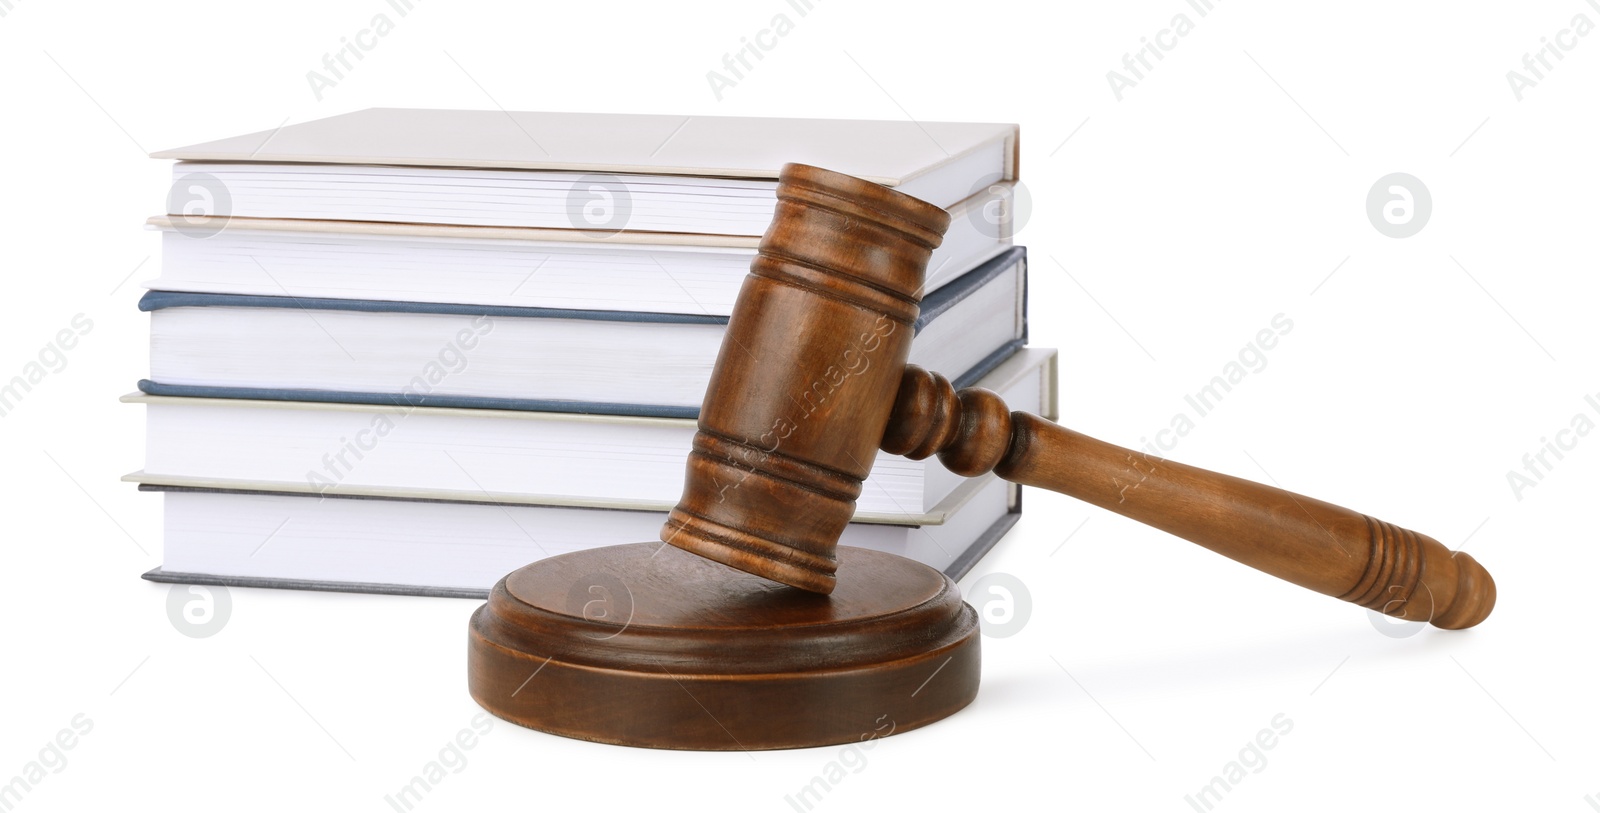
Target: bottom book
{"x":460,"y":549}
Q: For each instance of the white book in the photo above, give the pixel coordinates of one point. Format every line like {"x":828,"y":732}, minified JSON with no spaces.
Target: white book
{"x":591,"y":171}
{"x":207,"y":345}
{"x":512,"y":267}
{"x":505,"y":456}
{"x":457,"y":549}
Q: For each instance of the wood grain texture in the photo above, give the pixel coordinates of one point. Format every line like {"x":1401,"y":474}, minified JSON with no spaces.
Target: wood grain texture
{"x":806,"y":375}
{"x":814,"y":362}
{"x":647,"y":645}
{"x":1317,"y":545}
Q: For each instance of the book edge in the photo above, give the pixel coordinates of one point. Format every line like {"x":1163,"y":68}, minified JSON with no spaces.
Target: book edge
{"x":956,"y":570}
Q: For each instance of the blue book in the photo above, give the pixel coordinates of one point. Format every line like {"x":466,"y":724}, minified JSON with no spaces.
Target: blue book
{"x":514,"y":358}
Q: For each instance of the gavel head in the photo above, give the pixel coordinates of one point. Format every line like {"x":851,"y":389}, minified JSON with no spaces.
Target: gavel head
{"x":806,"y":377}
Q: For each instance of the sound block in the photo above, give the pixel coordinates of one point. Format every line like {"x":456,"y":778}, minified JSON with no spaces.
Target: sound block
{"x":648,"y":645}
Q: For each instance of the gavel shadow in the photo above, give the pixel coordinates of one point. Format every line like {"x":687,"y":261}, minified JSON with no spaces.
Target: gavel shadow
{"x":1307,"y":661}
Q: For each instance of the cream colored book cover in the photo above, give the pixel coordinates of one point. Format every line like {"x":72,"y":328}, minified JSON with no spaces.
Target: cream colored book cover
{"x":892,"y":153}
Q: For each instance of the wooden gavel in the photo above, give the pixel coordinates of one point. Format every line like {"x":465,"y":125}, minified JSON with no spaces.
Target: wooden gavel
{"x":647,"y":645}
{"x":812,"y":379}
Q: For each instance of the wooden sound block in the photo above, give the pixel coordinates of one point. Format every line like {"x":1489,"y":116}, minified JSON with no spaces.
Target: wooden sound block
{"x":651,"y":646}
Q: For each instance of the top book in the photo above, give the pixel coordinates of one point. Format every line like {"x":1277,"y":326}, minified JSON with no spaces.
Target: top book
{"x":596,"y":172}
{"x":892,"y":153}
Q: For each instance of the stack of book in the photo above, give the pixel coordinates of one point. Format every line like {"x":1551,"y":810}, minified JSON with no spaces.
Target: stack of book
{"x":409,"y":351}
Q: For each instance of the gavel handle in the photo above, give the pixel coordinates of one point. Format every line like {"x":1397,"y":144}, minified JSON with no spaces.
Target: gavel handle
{"x":1332,"y":550}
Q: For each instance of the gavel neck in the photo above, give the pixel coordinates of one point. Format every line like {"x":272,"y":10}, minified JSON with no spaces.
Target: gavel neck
{"x":970,"y":430}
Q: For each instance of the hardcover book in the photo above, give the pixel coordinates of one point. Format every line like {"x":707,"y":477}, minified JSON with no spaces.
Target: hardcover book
{"x":369,"y":351}
{"x":694,"y":174}
{"x":511,"y":267}
{"x":460,"y":549}
{"x":503,"y":456}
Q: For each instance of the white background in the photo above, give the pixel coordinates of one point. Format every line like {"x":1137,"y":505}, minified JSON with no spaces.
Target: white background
{"x":1167,"y":229}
